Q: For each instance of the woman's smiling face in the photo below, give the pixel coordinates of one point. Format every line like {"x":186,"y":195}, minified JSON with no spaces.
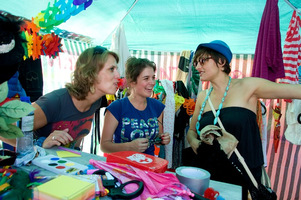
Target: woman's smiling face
{"x":145,"y":82}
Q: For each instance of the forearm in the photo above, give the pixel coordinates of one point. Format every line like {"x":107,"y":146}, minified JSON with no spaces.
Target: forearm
{"x":110,"y":147}
{"x":11,"y":142}
{"x":192,"y":139}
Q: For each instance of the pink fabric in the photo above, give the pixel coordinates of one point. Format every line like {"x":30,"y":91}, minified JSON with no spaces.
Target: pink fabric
{"x":155,"y":184}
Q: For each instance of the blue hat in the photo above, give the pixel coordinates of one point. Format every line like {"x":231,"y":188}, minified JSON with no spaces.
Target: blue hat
{"x":218,"y":46}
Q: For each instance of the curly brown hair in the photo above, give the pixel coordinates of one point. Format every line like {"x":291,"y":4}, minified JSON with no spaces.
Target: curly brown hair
{"x":88,"y":64}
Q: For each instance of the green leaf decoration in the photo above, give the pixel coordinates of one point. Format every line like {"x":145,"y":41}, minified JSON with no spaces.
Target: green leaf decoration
{"x":16,"y":109}
{"x":3,"y":124}
{"x":3,"y":91}
{"x":10,"y":120}
{"x":12,"y":132}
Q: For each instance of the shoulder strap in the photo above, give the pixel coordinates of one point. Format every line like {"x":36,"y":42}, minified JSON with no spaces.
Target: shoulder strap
{"x":240,"y":158}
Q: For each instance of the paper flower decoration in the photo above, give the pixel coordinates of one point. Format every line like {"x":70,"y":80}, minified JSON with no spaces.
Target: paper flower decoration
{"x":51,"y":45}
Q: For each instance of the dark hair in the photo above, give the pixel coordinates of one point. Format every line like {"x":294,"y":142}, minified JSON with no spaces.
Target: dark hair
{"x":88,"y":65}
{"x":216,"y":56}
{"x":134,"y":66}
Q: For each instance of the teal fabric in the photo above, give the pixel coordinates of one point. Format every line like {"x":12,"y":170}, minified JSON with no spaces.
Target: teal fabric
{"x":167,"y":25}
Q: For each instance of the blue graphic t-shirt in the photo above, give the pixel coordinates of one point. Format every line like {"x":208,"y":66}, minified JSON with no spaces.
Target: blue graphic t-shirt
{"x":134,"y":123}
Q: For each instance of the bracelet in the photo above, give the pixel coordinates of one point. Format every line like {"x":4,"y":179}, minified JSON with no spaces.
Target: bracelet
{"x":39,"y":142}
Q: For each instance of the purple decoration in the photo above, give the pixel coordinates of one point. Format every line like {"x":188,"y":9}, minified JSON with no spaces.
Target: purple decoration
{"x":88,"y":3}
{"x":78,"y":2}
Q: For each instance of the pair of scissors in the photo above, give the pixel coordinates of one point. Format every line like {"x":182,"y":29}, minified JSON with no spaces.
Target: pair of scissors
{"x":116,"y":190}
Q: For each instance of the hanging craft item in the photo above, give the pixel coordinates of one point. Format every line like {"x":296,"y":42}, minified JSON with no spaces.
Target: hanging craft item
{"x":277,"y":115}
{"x":189,"y":104}
{"x":60,"y":12}
{"x":49,"y":20}
{"x":179,"y":100}
{"x":34,"y":41}
{"x":51,"y":45}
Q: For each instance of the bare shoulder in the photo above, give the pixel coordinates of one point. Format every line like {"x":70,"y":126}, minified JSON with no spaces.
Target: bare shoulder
{"x":249,"y":82}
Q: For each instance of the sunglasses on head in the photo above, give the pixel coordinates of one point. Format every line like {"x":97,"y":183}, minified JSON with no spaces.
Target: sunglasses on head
{"x":99,"y":50}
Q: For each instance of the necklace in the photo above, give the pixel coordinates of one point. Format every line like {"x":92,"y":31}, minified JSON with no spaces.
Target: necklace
{"x":219,"y":107}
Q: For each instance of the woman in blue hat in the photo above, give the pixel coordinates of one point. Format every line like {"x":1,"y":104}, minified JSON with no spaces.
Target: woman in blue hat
{"x":235,"y":102}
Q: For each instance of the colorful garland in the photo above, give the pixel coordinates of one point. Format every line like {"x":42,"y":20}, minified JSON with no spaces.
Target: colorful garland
{"x":49,"y":44}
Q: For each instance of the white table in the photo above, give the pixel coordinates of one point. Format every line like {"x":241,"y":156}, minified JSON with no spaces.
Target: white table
{"x":227,"y":191}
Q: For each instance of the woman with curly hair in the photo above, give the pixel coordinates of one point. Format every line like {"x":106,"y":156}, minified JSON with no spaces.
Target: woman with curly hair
{"x":64,"y":117}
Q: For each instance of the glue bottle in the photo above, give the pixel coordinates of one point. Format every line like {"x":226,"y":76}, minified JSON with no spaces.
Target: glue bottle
{"x":25,"y":144}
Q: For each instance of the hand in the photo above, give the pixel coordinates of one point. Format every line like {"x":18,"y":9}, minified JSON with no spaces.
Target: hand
{"x":57,"y":138}
{"x":195,"y":145}
{"x":165,"y":138}
{"x":139,"y":144}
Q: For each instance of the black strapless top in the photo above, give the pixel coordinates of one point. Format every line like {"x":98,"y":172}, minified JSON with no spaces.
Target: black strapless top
{"x":241,"y":123}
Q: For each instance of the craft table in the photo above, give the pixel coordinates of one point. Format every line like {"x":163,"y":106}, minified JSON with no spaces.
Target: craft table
{"x":227,"y":191}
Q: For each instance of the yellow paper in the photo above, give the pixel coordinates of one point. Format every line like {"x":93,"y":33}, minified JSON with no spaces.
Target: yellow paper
{"x":63,"y":154}
{"x":65,"y":187}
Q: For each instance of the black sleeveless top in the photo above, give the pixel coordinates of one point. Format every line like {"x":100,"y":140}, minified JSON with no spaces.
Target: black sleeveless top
{"x":241,"y":123}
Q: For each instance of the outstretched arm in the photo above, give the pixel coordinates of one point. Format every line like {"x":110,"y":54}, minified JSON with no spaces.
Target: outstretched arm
{"x":266,"y":89}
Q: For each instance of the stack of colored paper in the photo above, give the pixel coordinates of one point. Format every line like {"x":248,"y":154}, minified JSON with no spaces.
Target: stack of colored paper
{"x":65,"y":187}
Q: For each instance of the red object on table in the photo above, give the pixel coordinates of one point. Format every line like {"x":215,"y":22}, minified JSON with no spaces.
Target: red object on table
{"x":140,"y":160}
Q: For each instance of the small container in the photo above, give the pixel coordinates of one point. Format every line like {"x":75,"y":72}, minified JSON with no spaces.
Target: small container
{"x":196,"y":179}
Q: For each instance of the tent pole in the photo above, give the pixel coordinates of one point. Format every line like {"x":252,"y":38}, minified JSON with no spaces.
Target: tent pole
{"x":293,"y":7}
{"x":136,"y":1}
{"x":129,"y":10}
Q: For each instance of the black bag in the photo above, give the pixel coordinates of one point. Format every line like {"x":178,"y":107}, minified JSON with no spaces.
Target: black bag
{"x":262,"y":193}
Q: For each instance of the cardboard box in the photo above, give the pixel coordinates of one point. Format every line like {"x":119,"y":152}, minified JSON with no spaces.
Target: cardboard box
{"x":140,"y":160}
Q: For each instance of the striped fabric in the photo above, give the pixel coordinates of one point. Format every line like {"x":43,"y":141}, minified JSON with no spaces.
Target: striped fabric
{"x":292,"y":51}
{"x":57,"y":72}
{"x":167,"y":62}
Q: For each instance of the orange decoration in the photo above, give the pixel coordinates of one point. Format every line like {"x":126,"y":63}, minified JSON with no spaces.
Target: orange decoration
{"x":31,"y":27}
{"x":37,"y":46}
{"x":189,"y":104}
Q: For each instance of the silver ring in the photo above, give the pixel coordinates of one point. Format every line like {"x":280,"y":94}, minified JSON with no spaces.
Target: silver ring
{"x":53,"y":137}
